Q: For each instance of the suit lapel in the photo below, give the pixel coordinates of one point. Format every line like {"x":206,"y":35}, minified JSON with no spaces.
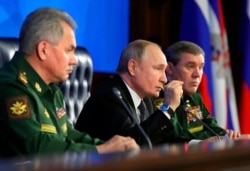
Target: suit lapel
{"x":125,"y":94}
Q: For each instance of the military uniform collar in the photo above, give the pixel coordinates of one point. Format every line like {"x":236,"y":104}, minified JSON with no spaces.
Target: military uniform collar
{"x":27,"y":75}
{"x":187,"y":99}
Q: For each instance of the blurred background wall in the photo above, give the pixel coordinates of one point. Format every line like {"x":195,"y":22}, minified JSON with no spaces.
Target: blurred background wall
{"x":159,"y":21}
{"x":105,"y":27}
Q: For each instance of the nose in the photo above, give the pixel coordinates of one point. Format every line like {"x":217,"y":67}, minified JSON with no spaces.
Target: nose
{"x":73,"y":60}
{"x":197,"y":72}
{"x":164,"y":78}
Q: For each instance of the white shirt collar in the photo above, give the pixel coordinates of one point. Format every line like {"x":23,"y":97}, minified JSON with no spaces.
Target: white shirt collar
{"x":135,"y":97}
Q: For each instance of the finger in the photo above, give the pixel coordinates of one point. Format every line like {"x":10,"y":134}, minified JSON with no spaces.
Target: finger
{"x":173,"y":83}
{"x":132,"y":146}
{"x":181,"y":92}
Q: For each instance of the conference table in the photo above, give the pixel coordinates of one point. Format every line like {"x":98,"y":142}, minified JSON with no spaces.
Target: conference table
{"x":233,"y":155}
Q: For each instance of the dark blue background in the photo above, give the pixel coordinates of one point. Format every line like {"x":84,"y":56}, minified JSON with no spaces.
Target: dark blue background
{"x":103,"y":25}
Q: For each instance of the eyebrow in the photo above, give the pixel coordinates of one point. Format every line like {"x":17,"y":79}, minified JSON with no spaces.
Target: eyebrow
{"x":191,"y":62}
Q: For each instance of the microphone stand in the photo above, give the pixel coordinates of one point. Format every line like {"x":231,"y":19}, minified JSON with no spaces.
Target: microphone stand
{"x":118,"y":95}
{"x":203,"y":123}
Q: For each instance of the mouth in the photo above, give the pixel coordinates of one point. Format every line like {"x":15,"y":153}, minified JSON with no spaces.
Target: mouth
{"x":194,"y":84}
{"x":70,"y":70}
{"x":159,"y":88}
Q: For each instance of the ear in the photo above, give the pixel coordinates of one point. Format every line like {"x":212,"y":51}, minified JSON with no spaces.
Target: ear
{"x":169,"y":69}
{"x":42,"y":50}
{"x":132,"y":66}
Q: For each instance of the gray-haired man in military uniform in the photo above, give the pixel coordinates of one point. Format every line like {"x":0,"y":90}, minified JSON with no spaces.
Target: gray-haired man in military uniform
{"x":192,"y":120}
{"x":33,"y":118}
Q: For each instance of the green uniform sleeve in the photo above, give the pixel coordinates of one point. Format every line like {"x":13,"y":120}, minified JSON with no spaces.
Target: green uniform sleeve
{"x":29,"y":128}
{"x":80,"y":137}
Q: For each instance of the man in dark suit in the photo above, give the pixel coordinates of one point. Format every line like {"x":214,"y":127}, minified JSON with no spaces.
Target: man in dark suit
{"x":141,"y":77}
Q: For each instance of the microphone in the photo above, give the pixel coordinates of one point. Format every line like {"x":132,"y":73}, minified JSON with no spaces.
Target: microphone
{"x":119,"y":96}
{"x":203,"y":123}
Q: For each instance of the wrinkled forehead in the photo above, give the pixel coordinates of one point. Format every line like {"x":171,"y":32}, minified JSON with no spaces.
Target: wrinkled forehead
{"x":186,"y":57}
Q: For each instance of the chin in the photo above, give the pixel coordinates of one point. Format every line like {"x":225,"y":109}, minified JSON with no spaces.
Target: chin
{"x":65,"y":78}
{"x":156,"y":95}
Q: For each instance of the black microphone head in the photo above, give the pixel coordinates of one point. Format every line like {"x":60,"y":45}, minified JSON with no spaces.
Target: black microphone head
{"x":117,"y":92}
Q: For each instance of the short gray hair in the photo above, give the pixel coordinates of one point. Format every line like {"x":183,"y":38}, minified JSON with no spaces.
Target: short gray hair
{"x":134,"y":50}
{"x":43,"y":24}
{"x":174,"y":51}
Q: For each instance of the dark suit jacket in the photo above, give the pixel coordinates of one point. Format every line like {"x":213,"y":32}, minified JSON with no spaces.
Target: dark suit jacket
{"x":104,"y":116}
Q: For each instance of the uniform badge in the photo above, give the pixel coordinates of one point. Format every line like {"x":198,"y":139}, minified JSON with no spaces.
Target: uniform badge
{"x":18,"y":107}
{"x":48,"y":128}
{"x":46,"y":113}
{"x":64,"y":127}
{"x":194,"y":113}
{"x":60,"y":112}
{"x":22,"y":76}
{"x":38,"y":87}
{"x":158,"y":102}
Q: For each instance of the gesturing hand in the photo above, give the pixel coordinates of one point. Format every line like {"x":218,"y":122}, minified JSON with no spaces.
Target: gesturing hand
{"x":172,"y":93}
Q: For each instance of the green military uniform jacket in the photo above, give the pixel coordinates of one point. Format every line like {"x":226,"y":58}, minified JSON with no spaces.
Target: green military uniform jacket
{"x":186,"y":125}
{"x":33,"y":118}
